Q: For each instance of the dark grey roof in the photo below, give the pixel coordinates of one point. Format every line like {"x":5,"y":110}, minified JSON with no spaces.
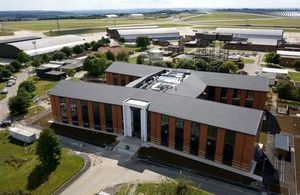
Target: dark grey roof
{"x":53,"y":72}
{"x":230,"y":117}
{"x":18,"y":39}
{"x":282,"y":142}
{"x":133,"y":69}
{"x":234,"y":81}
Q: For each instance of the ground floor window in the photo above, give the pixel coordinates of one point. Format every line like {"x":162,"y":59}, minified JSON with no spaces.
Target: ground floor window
{"x":179,"y":134}
{"x":165,"y":130}
{"x":194,"y":139}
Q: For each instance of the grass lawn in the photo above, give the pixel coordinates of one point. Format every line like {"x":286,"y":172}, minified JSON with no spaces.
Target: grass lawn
{"x":295,"y":76}
{"x":6,"y":33}
{"x":77,"y":23}
{"x":16,"y":165}
{"x":166,"y":187}
{"x":33,"y":111}
{"x":132,"y":60}
{"x":42,"y":86}
{"x":248,"y":61}
{"x":2,"y":96}
{"x":225,"y":16}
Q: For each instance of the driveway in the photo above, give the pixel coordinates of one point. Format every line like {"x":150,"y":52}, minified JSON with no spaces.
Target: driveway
{"x":256,"y":66}
{"x":12,"y":91}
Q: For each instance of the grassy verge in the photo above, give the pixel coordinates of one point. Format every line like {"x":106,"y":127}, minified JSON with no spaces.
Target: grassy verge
{"x":295,"y":76}
{"x":248,"y":61}
{"x":133,"y":60}
{"x":2,"y":96}
{"x":16,"y":165}
{"x":42,"y":86}
{"x":75,"y":31}
{"x":6,"y":33}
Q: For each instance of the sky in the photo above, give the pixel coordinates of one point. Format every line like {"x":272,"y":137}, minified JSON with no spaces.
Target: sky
{"x":7,"y":5}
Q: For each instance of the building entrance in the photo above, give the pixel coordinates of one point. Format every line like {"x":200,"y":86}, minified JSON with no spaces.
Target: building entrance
{"x":136,"y":122}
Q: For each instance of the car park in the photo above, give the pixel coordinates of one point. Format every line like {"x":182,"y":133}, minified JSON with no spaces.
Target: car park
{"x":9,"y":84}
{"x":12,"y":81}
{"x":4,"y":91}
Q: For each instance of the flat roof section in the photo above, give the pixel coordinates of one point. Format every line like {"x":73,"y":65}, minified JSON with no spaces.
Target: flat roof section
{"x":282,"y":142}
{"x":289,"y":54}
{"x":230,"y":117}
{"x":245,"y":82}
{"x":19,"y":39}
{"x":248,"y":31}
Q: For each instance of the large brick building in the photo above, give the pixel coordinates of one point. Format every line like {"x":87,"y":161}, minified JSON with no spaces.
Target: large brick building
{"x":169,"y":108}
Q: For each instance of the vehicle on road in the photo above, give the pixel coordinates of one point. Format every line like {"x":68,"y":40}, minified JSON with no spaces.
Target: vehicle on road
{"x":4,"y":91}
{"x":9,"y":85}
{"x":6,"y":123}
{"x":13,"y":78}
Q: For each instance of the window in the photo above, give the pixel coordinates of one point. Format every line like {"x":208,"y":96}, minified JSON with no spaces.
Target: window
{"x":96,"y":116}
{"x":115,"y":79}
{"x":74,"y":112}
{"x":211,"y":93}
{"x":228,"y":147}
{"x":194,"y":139}
{"x":211,"y":142}
{"x":249,"y":99}
{"x":179,"y":134}
{"x":164,"y":130}
{"x":236,"y":97}
{"x":63,"y":110}
{"x":123,"y":81}
{"x":149,"y":126}
{"x":85,"y":114}
{"x":108,"y":118}
{"x":224,"y":95}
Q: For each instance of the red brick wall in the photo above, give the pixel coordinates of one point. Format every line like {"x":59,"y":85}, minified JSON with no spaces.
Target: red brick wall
{"x":53,"y":107}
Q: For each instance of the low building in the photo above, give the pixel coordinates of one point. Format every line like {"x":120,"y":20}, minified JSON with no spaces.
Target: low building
{"x":22,"y":134}
{"x":112,"y":32}
{"x":271,"y":77}
{"x":40,"y":46}
{"x":130,"y":35}
{"x":112,"y":16}
{"x":280,"y":73}
{"x":264,"y":45}
{"x":155,"y":55}
{"x":183,"y":57}
{"x":288,"y":58}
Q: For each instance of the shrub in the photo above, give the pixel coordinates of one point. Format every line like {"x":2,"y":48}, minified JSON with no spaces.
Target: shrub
{"x":71,"y":73}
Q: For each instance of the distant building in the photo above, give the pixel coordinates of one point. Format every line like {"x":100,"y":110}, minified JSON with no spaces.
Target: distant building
{"x":155,"y":55}
{"x":39,"y":46}
{"x":111,"y":16}
{"x":136,"y":15}
{"x":112,"y":32}
{"x":280,"y":73}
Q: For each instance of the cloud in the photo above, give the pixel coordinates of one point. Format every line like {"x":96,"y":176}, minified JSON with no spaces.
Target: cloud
{"x":132,"y":4}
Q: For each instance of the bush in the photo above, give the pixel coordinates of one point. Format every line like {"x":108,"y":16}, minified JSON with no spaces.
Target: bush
{"x":17,"y":65}
{"x":58,"y":55}
{"x":297,"y":65}
{"x":140,"y":60}
{"x":4,"y":74}
{"x":23,"y":57}
{"x":71,"y":73}
{"x":10,"y":68}
{"x":95,"y":66}
{"x":123,"y":56}
{"x":19,"y":104}
{"x":286,"y":90}
{"x":122,"y":40}
{"x":27,"y":86}
{"x":142,"y":42}
{"x":67,"y":50}
{"x":78,"y":49}
{"x":36,"y":62}
{"x":110,"y":55}
{"x":274,"y":66}
{"x":272,"y":58}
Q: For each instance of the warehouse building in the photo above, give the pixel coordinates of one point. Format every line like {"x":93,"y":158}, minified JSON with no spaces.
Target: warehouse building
{"x":162,"y":106}
{"x":112,"y":32}
{"x":153,"y":33}
{"x":39,"y":46}
{"x":288,"y":58}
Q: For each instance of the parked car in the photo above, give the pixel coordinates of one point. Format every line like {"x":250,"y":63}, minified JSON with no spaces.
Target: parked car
{"x":4,"y":91}
{"x":9,"y":84}
{"x":12,"y":81}
{"x":13,"y":78}
{"x":6,"y":122}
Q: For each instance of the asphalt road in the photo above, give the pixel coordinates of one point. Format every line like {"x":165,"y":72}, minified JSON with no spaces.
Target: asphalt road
{"x":12,"y":91}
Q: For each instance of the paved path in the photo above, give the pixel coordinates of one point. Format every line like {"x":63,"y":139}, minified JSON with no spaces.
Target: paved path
{"x":12,"y":91}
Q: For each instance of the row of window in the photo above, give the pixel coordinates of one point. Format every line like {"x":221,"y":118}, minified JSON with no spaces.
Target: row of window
{"x":235,"y":99}
{"x":85,"y":114}
{"x":122,"y":81}
{"x":194,"y":137}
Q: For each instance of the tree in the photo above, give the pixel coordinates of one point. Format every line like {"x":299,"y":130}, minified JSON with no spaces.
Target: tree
{"x":159,"y":64}
{"x":169,"y":64}
{"x":122,"y":40}
{"x":272,"y":58}
{"x":140,"y":60}
{"x":23,"y":57}
{"x":71,"y":73}
{"x":122,"y":56}
{"x":27,"y":86}
{"x":87,"y":46}
{"x":48,"y":148}
{"x":142,"y":42}
{"x":285,"y":89}
{"x":58,"y":55}
{"x":17,"y":65}
{"x":78,"y":49}
{"x":202,"y":65}
{"x":297,"y":65}
{"x":4,"y":73}
{"x":10,"y":68}
{"x":36,"y":62}
{"x":186,"y":64}
{"x":95,"y":66}
{"x":110,"y":55}
{"x":67,"y":50}
{"x":228,"y":67}
{"x":45,"y":58}
{"x":19,"y":104}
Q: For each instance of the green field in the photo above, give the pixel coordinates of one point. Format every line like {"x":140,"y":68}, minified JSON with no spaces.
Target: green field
{"x":16,"y":164}
{"x":226,"y":16}
{"x":42,"y":86}
{"x":41,"y":25}
{"x":295,"y":76}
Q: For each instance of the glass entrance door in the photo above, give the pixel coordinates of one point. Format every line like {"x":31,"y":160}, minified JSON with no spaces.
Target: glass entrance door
{"x":136,"y":122}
